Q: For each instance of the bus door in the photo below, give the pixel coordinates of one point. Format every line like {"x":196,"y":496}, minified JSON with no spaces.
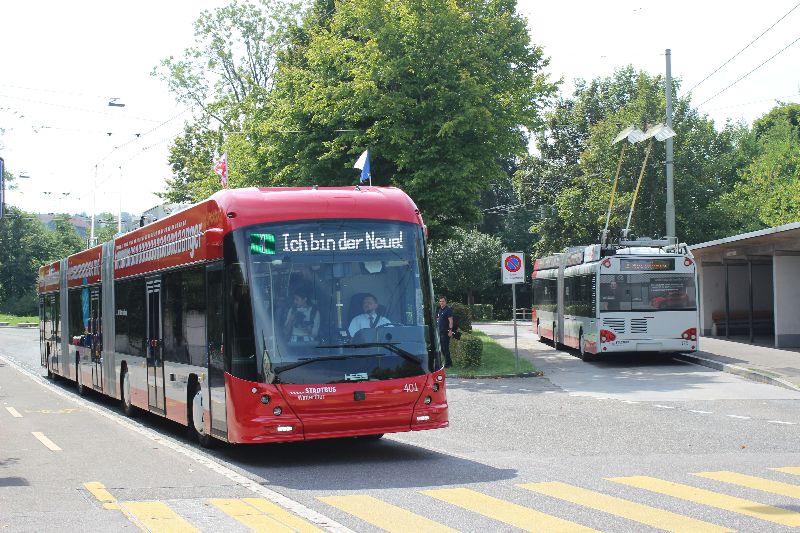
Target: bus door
{"x":53,"y":337}
{"x":42,"y":332}
{"x":96,"y":332}
{"x":155,"y":361}
{"x":216,"y":364}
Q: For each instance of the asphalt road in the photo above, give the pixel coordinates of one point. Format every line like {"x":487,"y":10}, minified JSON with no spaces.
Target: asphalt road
{"x":613,"y":446}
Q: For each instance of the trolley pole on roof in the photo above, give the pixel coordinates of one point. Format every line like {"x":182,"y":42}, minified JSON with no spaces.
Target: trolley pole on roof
{"x":671,"y":235}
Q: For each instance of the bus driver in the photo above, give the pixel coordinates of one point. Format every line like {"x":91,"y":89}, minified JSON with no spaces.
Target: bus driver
{"x":369,"y":318}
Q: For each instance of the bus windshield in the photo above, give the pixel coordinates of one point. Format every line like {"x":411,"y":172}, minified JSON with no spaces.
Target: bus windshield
{"x":647,"y":292}
{"x":339,"y":300}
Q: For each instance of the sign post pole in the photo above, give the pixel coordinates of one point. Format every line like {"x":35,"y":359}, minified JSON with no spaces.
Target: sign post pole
{"x":514,"y":305}
{"x":513,"y":270}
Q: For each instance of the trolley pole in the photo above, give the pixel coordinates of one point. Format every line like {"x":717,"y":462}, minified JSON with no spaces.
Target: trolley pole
{"x":671,"y":235}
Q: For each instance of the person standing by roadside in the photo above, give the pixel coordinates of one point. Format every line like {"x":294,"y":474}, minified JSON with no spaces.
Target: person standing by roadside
{"x":444,"y":319}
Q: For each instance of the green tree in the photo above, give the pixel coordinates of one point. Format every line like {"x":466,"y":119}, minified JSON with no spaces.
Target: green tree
{"x":769,"y":191}
{"x":226,"y":76}
{"x":466,"y":263}
{"x":440,"y":92}
{"x":64,"y":239}
{"x":24,"y":247}
{"x":578,"y":145}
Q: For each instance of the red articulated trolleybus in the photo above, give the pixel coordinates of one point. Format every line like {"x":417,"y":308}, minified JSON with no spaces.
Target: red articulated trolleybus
{"x":244,"y":317}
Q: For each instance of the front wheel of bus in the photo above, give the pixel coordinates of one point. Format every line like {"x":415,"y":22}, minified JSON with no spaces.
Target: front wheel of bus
{"x":197,"y":429}
{"x":127,"y":405}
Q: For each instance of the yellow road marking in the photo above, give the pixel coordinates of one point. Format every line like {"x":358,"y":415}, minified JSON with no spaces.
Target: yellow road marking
{"x":249,"y":515}
{"x":713,"y":499}
{"x":156,"y":517}
{"x":13,"y":412}
{"x":789,"y":470}
{"x":282,"y":515}
{"x":752,"y":482}
{"x":507,"y":512}
{"x":262,"y":515}
{"x":644,"y":514}
{"x":47,"y":442}
{"x":99,"y":491}
{"x":384,"y":515}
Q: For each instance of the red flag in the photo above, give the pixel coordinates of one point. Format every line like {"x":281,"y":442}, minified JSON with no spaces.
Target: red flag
{"x":221,"y":168}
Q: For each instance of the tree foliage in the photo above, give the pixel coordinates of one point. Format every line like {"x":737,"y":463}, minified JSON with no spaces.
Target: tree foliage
{"x":571,"y":181}
{"x":466,"y":263}
{"x":438,"y":91}
{"x":769,"y":191}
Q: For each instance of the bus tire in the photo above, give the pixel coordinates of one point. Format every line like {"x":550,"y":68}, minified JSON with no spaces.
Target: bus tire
{"x":81,"y":388}
{"x":195,"y":412}
{"x":125,"y":394}
{"x":582,"y":349}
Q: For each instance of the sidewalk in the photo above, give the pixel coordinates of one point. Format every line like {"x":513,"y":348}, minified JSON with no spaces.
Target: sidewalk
{"x":759,"y":363}
{"x":764,"y":364}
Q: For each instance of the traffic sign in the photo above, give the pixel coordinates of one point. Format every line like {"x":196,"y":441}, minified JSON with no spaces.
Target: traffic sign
{"x":513,"y":267}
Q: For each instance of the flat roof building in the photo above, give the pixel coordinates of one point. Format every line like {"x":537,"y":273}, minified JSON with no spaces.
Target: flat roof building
{"x":750,"y":285}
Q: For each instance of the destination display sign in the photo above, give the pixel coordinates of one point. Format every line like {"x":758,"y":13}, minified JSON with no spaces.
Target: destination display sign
{"x":647,"y":265}
{"x":84,"y":268}
{"x":326,"y":241}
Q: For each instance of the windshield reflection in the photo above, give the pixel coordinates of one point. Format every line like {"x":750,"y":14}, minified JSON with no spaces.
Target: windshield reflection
{"x":338,"y":301}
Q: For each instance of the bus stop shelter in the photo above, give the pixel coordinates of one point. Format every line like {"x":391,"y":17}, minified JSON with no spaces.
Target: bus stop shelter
{"x":750,"y":286}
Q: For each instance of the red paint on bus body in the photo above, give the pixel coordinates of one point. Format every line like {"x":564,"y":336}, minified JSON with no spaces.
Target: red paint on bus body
{"x":83,"y":268}
{"x":328,"y":411}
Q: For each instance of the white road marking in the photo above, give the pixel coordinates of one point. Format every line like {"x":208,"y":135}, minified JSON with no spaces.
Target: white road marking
{"x":221,"y":467}
{"x":740,"y":417}
{"x":665,"y":406}
{"x":47,"y":442}
{"x":701,"y":412}
{"x":781,"y":422}
{"x":13,"y":412}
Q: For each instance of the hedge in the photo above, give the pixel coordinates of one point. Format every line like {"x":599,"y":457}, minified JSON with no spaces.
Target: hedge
{"x":467,"y":352}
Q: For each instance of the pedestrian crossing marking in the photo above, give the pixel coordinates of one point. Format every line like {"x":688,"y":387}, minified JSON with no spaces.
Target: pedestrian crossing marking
{"x":13,"y":412}
{"x":384,"y":515}
{"x":156,"y":517}
{"x":713,"y":499}
{"x":752,"y":482}
{"x":788,"y":470}
{"x":98,"y":490}
{"x":510,"y":513}
{"x":643,"y":514}
{"x":259,"y":514}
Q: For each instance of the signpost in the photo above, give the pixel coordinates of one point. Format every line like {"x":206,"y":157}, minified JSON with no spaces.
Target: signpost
{"x":2,"y":188}
{"x":513,"y":269}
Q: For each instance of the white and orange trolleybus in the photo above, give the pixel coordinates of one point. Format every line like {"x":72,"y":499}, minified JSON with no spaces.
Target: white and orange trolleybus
{"x":187,"y":316}
{"x":639,"y":296}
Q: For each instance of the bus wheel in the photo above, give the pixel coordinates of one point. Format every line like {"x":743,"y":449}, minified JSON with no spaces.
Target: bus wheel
{"x":582,"y":349}
{"x":125,"y":391}
{"x":81,"y":388}
{"x":197,"y":430}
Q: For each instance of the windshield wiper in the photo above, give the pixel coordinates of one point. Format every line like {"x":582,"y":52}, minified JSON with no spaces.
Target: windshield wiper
{"x":283,"y":368}
{"x":391,"y":346}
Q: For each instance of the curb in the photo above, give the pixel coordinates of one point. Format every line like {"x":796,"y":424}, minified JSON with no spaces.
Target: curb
{"x":747,"y":373}
{"x":497,"y":376}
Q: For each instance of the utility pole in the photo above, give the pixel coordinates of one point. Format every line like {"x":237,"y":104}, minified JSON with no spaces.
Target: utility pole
{"x":671,"y":235}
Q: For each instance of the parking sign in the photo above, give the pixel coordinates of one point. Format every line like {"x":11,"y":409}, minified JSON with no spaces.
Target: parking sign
{"x":513,"y":267}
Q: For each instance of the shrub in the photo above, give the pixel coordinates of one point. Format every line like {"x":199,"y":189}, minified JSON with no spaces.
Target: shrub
{"x":482,"y":312}
{"x":467,"y":352}
{"x":463,"y":316}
